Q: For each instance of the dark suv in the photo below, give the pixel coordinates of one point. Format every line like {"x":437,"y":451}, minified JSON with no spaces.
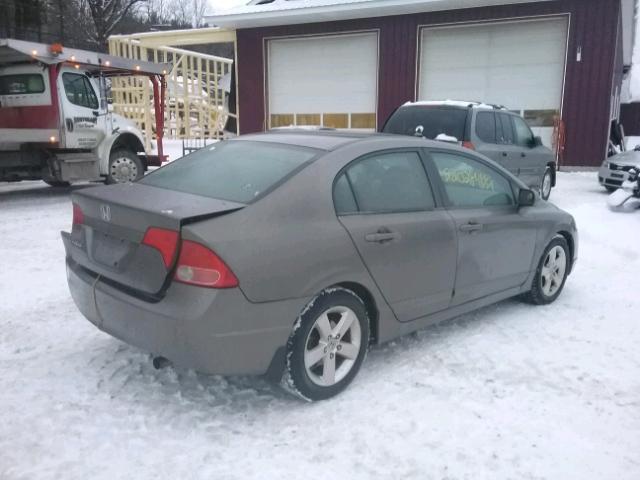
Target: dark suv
{"x":492,"y":130}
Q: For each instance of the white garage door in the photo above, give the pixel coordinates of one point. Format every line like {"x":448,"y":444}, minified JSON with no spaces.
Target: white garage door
{"x":329,"y":81}
{"x":519,"y":65}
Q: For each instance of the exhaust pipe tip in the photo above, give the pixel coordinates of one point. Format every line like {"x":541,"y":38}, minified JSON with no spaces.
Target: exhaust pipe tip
{"x":160,"y":363}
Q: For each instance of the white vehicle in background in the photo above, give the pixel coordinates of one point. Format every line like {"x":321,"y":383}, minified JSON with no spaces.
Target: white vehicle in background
{"x":55,"y":124}
{"x":627,"y":197}
{"x":614,"y":171}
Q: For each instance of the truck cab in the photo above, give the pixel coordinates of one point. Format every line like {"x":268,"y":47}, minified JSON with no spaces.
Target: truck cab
{"x":55,"y":122}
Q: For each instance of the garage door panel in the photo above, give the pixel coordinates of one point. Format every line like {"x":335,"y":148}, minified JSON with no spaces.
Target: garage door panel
{"x":334,"y":75}
{"x":518,"y":64}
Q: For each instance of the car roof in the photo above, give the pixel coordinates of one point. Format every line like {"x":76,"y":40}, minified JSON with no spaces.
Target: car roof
{"x":329,"y":140}
{"x":319,"y":139}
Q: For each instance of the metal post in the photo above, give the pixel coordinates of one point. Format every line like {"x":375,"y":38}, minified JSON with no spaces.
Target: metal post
{"x":158,"y":102}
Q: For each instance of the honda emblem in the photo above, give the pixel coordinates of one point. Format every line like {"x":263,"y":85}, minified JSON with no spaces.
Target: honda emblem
{"x":105,"y":211}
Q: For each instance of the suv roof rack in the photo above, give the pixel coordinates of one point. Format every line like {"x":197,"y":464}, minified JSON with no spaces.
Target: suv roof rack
{"x":457,"y":103}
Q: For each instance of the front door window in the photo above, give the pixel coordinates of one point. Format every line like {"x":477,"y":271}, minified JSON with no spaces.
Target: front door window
{"x":79,"y":91}
{"x":471,"y":184}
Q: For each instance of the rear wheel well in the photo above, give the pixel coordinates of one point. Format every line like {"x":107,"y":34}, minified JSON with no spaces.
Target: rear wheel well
{"x":370,"y":305}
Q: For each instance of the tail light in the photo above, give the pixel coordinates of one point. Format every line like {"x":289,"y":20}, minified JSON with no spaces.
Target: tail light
{"x":197,"y":265}
{"x":163,"y":240}
{"x":468,"y":145}
{"x":78,"y":215}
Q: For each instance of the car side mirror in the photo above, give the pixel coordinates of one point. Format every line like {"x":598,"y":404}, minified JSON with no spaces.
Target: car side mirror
{"x":526,"y":198}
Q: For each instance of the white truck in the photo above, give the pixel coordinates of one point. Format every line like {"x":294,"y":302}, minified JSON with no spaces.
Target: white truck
{"x":55,"y":122}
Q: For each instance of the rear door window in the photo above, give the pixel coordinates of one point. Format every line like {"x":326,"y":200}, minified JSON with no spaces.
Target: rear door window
{"x":433,"y":120}
{"x":385,"y":183}
{"x":238,"y":171}
{"x":21,"y":84}
{"x":343,"y":198}
{"x":486,"y":126}
{"x":504,"y":128}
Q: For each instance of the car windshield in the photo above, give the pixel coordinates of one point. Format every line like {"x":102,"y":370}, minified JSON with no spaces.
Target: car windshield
{"x":434,"y":121}
{"x":238,"y":171}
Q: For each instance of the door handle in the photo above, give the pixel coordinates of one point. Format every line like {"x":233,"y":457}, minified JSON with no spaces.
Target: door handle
{"x":381,"y":236}
{"x":504,"y":154}
{"x":69,"y":122}
{"x":523,"y":154}
{"x":470,"y":227}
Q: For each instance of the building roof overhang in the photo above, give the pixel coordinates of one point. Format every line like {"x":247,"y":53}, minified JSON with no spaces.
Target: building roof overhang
{"x":290,"y":12}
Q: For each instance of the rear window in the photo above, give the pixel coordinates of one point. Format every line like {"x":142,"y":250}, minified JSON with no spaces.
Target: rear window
{"x":434,"y":121}
{"x":238,"y":171}
{"x":21,"y":84}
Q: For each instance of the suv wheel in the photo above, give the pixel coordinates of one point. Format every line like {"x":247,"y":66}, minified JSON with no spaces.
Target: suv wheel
{"x":546,"y":185}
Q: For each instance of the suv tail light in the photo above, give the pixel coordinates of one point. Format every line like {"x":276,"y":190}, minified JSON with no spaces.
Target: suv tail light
{"x":468,"y":145}
{"x":78,"y":215}
{"x":197,"y":265}
{"x":163,"y":240}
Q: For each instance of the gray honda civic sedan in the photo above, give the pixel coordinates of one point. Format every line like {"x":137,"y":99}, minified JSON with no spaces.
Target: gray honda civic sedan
{"x":289,"y":253}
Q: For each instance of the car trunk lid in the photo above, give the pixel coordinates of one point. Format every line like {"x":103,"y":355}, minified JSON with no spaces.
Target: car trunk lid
{"x":109,"y":238}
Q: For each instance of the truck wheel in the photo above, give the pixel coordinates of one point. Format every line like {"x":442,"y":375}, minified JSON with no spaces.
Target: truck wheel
{"x":124,"y":166}
{"x":56,"y":183}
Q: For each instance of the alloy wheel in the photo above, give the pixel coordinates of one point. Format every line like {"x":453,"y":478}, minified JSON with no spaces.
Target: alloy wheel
{"x":553,"y":270}
{"x":545,"y":189}
{"x":332,"y":346}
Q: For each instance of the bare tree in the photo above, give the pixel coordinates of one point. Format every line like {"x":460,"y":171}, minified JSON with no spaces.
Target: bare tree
{"x":189,"y":12}
{"x":104,"y":16}
{"x":159,"y":11}
{"x":199,"y":10}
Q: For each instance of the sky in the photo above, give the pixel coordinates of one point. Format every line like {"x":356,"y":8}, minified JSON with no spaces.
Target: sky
{"x":217,"y":5}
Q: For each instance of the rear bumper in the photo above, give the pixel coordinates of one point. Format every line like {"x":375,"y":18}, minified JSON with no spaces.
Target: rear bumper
{"x":211,"y":331}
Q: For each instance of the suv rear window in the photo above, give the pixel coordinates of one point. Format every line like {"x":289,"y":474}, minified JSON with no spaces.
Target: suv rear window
{"x":238,"y":171}
{"x":21,"y":84}
{"x":434,"y":121}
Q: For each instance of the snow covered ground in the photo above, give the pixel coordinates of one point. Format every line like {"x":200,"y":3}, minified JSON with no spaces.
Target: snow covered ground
{"x":509,"y":392}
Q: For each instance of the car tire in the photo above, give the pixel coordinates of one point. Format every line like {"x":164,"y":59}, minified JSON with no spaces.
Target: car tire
{"x":124,"y":166}
{"x":611,"y":189}
{"x":327,"y":346}
{"x":551,"y":274}
{"x":546,"y":185}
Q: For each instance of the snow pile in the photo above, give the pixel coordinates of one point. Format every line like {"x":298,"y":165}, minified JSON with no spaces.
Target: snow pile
{"x":509,"y":392}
